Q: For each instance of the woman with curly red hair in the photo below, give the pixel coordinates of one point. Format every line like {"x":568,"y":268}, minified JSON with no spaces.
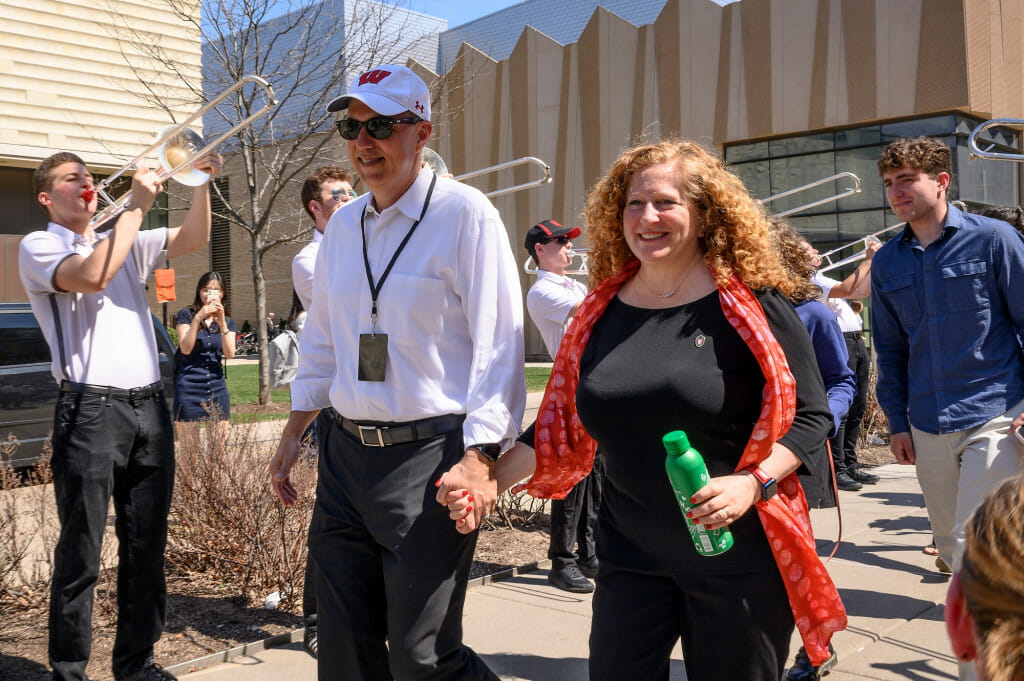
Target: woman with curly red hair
{"x":688,"y":328}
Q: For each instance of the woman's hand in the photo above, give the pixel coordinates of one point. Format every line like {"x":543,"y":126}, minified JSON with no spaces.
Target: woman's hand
{"x":460,"y":510}
{"x":725,"y":499}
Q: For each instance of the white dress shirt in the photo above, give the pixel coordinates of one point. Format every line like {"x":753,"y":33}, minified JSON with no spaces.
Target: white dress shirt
{"x":302,"y":269}
{"x":847,"y":318}
{"x":107,"y":336}
{"x":549,"y":301}
{"x":451,"y":307}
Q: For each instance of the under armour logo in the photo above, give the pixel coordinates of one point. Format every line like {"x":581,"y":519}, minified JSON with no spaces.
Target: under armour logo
{"x":418,"y":107}
{"x":375,"y":76}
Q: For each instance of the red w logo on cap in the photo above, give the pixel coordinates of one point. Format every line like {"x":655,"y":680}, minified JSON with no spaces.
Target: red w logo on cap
{"x":375,"y":76}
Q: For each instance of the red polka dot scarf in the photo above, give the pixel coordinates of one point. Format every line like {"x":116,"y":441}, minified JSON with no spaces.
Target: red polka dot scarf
{"x":565,"y":452}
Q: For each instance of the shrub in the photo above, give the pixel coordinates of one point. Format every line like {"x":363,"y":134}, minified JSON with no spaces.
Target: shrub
{"x":226,"y":519}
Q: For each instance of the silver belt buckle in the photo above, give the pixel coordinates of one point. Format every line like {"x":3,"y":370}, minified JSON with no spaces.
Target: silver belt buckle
{"x":372,"y":429}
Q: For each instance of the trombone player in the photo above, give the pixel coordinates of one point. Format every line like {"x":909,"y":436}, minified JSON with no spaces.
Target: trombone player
{"x":113,"y":434}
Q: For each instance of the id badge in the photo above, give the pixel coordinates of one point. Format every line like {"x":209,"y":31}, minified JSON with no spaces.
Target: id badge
{"x":373,"y":356}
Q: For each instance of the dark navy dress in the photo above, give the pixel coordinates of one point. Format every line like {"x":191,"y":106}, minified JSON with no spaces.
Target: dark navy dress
{"x":199,"y":379}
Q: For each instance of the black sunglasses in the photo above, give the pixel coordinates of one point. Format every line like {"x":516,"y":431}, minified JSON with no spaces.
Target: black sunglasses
{"x":563,"y":240}
{"x":379,"y":128}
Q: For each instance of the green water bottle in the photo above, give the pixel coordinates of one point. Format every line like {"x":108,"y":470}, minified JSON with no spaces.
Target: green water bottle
{"x":687,"y":474}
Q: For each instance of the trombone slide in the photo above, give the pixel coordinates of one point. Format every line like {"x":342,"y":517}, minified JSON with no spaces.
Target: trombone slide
{"x":978,"y":152}
{"x":810,"y":185}
{"x":183,"y":160}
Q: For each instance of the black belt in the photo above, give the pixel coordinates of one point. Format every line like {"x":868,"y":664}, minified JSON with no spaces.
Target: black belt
{"x":387,"y":434}
{"x":108,"y":391}
{"x":852,"y":334}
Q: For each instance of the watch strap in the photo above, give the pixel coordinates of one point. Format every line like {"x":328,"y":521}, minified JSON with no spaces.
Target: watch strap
{"x":768,"y":483}
{"x":490,"y":450}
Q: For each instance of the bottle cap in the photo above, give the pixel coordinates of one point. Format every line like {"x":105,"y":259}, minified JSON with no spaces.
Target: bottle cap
{"x":675,"y":442}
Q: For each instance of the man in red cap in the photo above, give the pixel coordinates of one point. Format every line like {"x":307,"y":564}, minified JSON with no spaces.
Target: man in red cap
{"x":552,"y":301}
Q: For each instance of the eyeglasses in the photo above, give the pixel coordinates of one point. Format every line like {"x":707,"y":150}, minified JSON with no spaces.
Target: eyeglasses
{"x":379,"y":128}
{"x":336,"y":194}
{"x":563,"y":240}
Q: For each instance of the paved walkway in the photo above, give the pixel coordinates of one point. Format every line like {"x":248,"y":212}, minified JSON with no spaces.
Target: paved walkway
{"x":526,"y":629}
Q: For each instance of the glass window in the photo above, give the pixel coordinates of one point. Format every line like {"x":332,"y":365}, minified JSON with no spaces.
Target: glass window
{"x":21,"y":340}
{"x":797,"y":171}
{"x":932,"y":127}
{"x":863,"y":163}
{"x":746,"y":152}
{"x":858,"y":137}
{"x":755,"y":176}
{"x":804,"y":144}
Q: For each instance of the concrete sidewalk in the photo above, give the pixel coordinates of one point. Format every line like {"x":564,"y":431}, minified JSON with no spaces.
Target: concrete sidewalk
{"x":526,"y":629}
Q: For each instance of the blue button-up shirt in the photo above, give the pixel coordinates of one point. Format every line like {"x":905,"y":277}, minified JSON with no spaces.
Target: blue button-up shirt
{"x":947,"y":325}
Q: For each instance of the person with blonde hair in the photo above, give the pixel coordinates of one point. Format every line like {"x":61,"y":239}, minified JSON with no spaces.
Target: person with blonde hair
{"x":687,"y":328}
{"x":985,"y":602}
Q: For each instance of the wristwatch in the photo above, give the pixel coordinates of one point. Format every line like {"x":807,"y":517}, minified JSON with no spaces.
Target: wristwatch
{"x":491,"y":450}
{"x":769,"y":486}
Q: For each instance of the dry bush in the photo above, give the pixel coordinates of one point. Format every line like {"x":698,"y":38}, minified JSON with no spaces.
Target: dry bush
{"x":28,"y":529}
{"x":874,"y":422}
{"x":226,"y":519}
{"x":517,"y":510}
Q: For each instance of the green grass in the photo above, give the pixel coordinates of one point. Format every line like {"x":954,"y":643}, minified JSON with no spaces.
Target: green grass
{"x":244,"y":381}
{"x":537,"y":378}
{"x":244,"y":385}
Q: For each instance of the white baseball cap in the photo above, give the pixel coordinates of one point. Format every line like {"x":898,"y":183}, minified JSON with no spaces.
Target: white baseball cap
{"x":389,"y":90}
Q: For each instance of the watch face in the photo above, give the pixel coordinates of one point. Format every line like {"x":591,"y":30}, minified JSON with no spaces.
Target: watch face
{"x":768,"y":491}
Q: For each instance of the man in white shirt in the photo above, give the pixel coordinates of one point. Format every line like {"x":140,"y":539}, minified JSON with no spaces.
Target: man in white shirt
{"x":113,"y":434}
{"x":552,"y":301}
{"x":326,"y":190}
{"x":849,"y":475}
{"x":415,"y":338}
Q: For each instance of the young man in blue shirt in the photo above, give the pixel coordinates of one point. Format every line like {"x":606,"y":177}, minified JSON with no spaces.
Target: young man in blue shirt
{"x":947,"y":331}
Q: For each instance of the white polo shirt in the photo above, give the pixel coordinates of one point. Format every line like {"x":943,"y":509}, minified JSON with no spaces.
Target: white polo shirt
{"x":107,"y":337}
{"x":847,"y":318}
{"x":549,"y":301}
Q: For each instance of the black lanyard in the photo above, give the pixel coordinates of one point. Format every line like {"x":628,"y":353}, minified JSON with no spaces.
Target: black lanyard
{"x":375,"y":288}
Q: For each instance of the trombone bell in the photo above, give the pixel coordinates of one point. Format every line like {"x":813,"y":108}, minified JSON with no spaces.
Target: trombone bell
{"x":434,"y":160}
{"x":177,"y":149}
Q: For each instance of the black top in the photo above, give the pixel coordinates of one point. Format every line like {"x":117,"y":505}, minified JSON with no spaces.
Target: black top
{"x":647,"y":372}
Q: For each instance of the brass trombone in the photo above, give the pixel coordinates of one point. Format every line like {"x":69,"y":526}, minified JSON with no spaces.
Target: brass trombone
{"x":581,"y":254}
{"x":810,"y":185}
{"x":434,"y":160}
{"x":978,"y":152}
{"x":177,"y":147}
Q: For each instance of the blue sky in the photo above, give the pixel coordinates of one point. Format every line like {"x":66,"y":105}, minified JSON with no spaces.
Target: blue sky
{"x":458,"y":12}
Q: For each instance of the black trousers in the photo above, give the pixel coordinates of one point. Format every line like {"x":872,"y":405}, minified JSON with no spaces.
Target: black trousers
{"x":731,"y":626}
{"x":390,"y":565}
{"x":574,"y":520}
{"x":105,"y":447}
{"x":844,"y":443}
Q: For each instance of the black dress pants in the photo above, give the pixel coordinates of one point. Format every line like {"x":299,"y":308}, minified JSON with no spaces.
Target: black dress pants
{"x":844,"y":443}
{"x":105,"y":447}
{"x":574,"y":520}
{"x":732,"y":627}
{"x":390,"y":565}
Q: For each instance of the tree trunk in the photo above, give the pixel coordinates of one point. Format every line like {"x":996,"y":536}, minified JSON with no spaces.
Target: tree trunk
{"x":260,"y":291}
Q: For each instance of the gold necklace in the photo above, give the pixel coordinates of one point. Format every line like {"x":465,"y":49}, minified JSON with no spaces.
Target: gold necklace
{"x":666,"y":296}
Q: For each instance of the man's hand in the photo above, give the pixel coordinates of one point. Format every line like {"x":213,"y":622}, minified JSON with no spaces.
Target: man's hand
{"x":475,"y":474}
{"x":285,"y":457}
{"x":902,"y":447}
{"x":871,"y":247}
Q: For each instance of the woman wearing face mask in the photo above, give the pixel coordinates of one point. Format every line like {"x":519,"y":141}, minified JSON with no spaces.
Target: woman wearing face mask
{"x":206,"y":335}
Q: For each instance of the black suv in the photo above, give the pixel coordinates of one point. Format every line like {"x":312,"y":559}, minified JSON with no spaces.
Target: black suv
{"x":27,"y":389}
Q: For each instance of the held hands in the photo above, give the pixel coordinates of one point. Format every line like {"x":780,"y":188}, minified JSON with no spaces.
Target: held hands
{"x":725,"y":499}
{"x":473,"y":480}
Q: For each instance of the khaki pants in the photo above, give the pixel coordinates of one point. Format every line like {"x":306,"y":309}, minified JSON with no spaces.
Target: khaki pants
{"x":957,"y":470}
